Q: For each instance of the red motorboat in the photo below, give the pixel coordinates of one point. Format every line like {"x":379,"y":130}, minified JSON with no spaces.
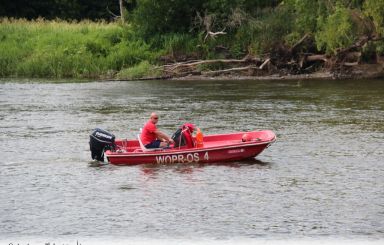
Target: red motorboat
{"x":215,"y":148}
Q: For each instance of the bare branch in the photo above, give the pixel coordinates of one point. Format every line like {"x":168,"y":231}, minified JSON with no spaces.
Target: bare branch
{"x":304,"y":38}
{"x":230,"y":70}
{"x":266,"y":62}
{"x":214,"y":34}
{"x":110,"y":12}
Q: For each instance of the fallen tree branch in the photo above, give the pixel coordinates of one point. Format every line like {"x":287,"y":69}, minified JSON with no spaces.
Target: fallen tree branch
{"x":214,"y":34}
{"x":205,"y":62}
{"x":266,"y":62}
{"x":229,"y":70}
{"x":350,"y":63}
{"x":181,"y":63}
{"x":358,"y":44}
{"x":316,"y":57}
{"x":237,"y":69}
{"x":304,"y":38}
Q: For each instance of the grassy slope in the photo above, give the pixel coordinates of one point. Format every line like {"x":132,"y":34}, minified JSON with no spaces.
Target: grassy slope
{"x":63,"y":49}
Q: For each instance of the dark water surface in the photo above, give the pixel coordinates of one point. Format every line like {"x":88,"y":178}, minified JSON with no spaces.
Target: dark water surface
{"x":324,"y":177}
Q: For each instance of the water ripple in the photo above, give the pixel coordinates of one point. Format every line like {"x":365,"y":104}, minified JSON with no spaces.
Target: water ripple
{"x":323,"y":178}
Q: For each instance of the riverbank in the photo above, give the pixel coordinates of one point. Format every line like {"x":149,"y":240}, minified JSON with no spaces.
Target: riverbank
{"x":362,"y":71}
{"x":111,"y":51}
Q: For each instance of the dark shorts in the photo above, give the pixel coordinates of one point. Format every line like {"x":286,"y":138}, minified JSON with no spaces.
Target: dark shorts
{"x":153,"y":144}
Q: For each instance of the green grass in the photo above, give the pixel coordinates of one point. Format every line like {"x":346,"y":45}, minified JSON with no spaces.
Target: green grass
{"x":86,"y":49}
{"x":61,"y":49}
{"x":142,"y":70}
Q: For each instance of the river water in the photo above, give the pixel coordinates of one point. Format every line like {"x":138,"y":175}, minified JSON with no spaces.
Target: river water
{"x":323,"y":178}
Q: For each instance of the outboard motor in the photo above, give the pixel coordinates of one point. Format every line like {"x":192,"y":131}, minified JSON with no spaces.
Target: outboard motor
{"x":100,"y":141}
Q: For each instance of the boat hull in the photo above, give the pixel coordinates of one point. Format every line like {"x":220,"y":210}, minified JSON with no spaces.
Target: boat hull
{"x":217,"y":148}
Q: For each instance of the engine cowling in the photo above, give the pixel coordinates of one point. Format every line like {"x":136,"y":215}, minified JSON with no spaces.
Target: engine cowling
{"x":100,"y":141}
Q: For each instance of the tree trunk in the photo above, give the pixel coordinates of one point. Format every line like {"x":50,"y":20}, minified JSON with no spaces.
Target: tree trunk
{"x":121,"y":10}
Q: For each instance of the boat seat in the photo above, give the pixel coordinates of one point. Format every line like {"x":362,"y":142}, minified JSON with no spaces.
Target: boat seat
{"x":143,"y":148}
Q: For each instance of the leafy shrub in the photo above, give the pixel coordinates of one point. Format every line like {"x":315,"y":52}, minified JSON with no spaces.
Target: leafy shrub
{"x":336,"y":31}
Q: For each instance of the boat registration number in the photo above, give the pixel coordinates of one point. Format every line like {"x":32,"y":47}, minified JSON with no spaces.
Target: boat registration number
{"x":182,"y":158}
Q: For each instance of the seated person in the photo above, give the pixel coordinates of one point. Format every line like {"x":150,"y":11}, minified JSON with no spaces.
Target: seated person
{"x":151,"y":137}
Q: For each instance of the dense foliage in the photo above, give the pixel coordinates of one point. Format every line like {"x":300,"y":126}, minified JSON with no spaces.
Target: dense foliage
{"x":261,"y":25}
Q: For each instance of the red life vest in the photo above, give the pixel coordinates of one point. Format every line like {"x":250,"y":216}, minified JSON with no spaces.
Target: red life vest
{"x":183,"y":136}
{"x":187,"y":132}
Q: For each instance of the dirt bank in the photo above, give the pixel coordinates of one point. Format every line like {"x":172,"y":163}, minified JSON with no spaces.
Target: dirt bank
{"x":363,"y":71}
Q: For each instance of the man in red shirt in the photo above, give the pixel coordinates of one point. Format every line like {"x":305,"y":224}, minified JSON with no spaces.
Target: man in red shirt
{"x":151,"y":136}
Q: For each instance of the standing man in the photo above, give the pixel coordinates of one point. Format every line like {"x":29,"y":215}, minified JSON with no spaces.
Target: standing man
{"x":151,"y":136}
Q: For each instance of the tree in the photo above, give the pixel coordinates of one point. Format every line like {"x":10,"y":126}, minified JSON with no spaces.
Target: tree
{"x":121,"y":6}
